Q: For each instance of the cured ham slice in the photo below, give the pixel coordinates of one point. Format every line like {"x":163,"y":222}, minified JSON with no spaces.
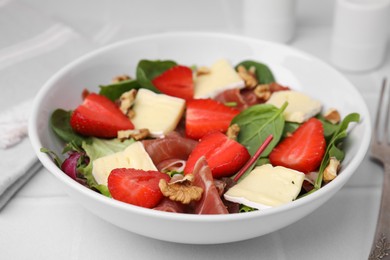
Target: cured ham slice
{"x":245,"y":98}
{"x":173,"y":146}
{"x":170,"y":206}
{"x":232,"y":95}
{"x":171,"y":165}
{"x":211,"y":202}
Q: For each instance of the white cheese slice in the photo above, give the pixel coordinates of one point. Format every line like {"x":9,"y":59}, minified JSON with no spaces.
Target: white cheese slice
{"x":222,"y":76}
{"x":267,"y":186}
{"x":134,"y":156}
{"x":159,"y":113}
{"x":300,"y":107}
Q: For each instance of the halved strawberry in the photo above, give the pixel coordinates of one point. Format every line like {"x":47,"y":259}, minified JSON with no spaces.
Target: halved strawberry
{"x":98,"y":116}
{"x":206,"y":115}
{"x":176,"y":81}
{"x":223,"y":155}
{"x":303,"y":150}
{"x":137,"y":187}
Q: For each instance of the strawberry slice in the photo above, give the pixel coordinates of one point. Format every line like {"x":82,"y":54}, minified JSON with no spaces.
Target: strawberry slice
{"x":303,"y":150}
{"x":98,"y":116}
{"x":137,"y":187}
{"x":176,"y":81}
{"x":223,"y":155}
{"x":206,"y":115}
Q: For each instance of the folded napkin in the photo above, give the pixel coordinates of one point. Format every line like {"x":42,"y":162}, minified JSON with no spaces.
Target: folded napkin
{"x":17,"y":165}
{"x":18,"y":161}
{"x":13,"y":124}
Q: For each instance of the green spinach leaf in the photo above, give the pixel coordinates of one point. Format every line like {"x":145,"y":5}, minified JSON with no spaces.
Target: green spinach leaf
{"x":289,"y":128}
{"x":114,"y":91}
{"x":257,"y":123}
{"x":333,"y":148}
{"x":147,"y":70}
{"x":329,"y":128}
{"x":263,"y":73}
{"x":60,"y":123}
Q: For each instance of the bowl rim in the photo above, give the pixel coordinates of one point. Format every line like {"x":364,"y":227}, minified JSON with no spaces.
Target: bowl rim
{"x":53,"y":169}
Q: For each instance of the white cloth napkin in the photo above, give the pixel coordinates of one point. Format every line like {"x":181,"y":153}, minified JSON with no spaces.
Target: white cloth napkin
{"x":13,"y":124}
{"x":17,"y":165}
{"x":18,"y":160}
{"x":31,"y":50}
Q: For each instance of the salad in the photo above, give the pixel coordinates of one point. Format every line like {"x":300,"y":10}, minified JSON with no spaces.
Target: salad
{"x":200,"y":140}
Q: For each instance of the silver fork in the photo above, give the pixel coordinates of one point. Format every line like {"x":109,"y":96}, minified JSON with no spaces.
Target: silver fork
{"x":380,"y":150}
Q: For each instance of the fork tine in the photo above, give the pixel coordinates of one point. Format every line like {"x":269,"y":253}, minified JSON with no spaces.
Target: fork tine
{"x":378,"y":112}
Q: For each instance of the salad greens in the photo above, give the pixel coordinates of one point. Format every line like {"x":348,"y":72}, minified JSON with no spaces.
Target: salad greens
{"x":147,"y":70}
{"x":96,"y":149}
{"x":93,"y":147}
{"x":60,"y":123}
{"x":256,"y":123}
{"x":263,"y":73}
{"x":333,"y":148}
{"x":115,"y":90}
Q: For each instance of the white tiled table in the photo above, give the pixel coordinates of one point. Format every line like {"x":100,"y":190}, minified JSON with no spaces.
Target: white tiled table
{"x":42,"y":222}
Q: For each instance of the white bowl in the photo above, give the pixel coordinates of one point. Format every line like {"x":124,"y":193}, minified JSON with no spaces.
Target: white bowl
{"x":291,"y":67}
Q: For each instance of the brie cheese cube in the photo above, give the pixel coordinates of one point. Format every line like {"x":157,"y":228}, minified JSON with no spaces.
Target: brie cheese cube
{"x":159,"y":113}
{"x":222,"y":76}
{"x":134,"y":156}
{"x":300,"y":106}
{"x":267,"y":186}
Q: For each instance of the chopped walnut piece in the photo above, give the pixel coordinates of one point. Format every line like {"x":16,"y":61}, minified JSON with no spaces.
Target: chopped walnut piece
{"x":249,"y":77}
{"x":333,"y":116}
{"x":137,"y":134}
{"x":331,"y":170}
{"x":202,"y":71}
{"x":85,"y":93}
{"x":263,"y":92}
{"x":181,"y":190}
{"x":126,"y":101}
{"x":120,"y":78}
{"x":233,"y":132}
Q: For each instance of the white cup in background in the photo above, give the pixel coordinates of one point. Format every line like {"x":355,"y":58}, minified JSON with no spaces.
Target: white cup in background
{"x":360,"y":34}
{"x":272,"y":20}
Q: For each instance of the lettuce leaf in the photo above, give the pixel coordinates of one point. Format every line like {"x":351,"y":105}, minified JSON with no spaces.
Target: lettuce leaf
{"x":96,"y":149}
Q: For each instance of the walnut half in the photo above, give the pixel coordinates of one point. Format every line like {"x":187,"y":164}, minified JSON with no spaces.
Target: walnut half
{"x":333,"y":116}
{"x":263,"y":92}
{"x":127,"y":100}
{"x":181,"y":190}
{"x":136,"y":134}
{"x":331,"y":170}
{"x":248,"y":76}
{"x":233,"y":132}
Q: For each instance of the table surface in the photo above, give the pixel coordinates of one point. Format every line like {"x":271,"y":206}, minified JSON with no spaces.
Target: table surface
{"x":38,"y":37}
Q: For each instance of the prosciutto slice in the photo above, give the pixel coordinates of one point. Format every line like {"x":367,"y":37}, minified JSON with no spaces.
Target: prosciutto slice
{"x":171,"y":165}
{"x":245,"y":98}
{"x":173,"y":146}
{"x":211,"y":202}
{"x":170,"y":206}
{"x":232,"y":95}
